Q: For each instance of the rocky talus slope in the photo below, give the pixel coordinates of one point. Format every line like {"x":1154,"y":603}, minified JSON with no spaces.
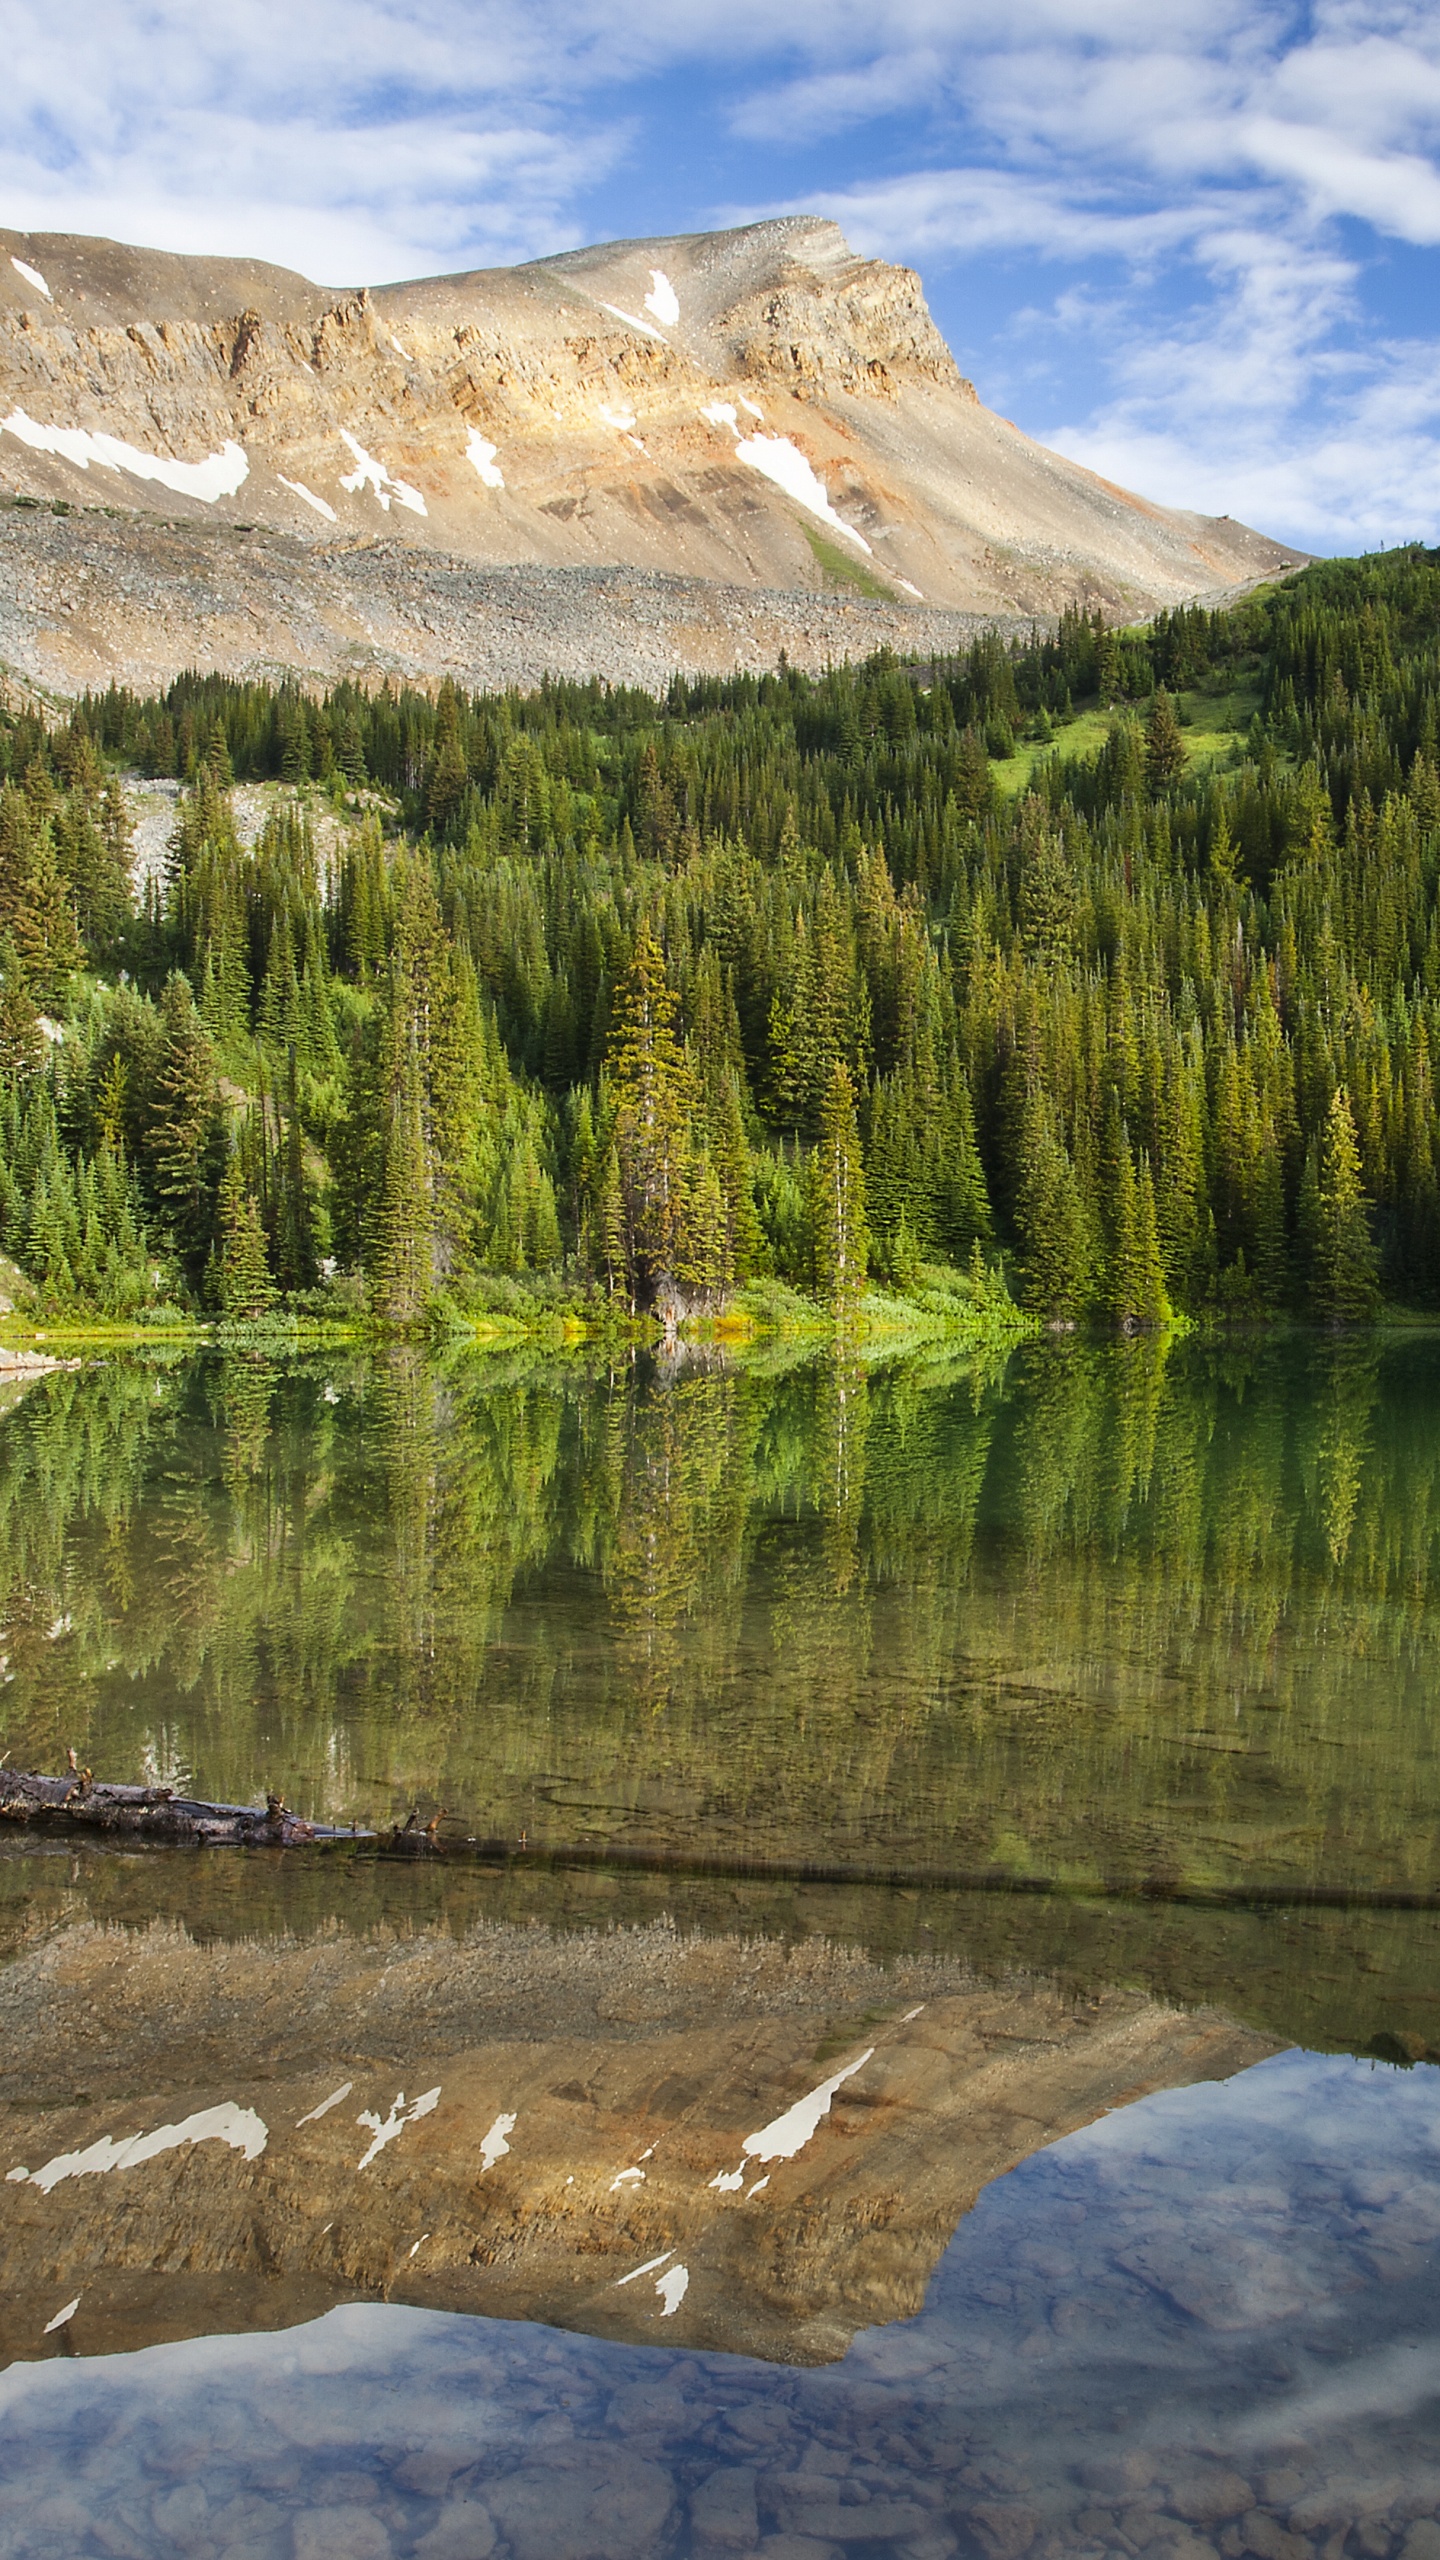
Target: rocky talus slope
{"x":686,"y":452}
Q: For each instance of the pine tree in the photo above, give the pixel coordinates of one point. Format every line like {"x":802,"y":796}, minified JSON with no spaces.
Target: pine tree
{"x":1164,"y":745}
{"x":1047,"y":891}
{"x":184,"y":1134}
{"x":1056,"y":1251}
{"x":448,"y":778}
{"x":652,"y":1092}
{"x":295,"y":1258}
{"x":835,"y":1191}
{"x":1151,"y":1301}
{"x":240,"y":1281}
{"x":401,"y":1260}
{"x":1345,"y":1282}
{"x":21,"y":1044}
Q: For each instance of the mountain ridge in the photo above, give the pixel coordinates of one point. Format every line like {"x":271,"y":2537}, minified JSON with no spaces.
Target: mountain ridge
{"x":757,"y":409}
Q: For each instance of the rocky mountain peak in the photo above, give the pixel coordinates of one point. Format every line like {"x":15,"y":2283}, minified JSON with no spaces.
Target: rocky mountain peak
{"x":759,"y":409}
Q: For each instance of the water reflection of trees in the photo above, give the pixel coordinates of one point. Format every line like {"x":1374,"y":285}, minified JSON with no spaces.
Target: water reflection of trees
{"x":1126,"y":1609}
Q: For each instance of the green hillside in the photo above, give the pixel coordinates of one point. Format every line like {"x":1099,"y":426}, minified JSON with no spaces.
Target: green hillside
{"x":1110,"y":961}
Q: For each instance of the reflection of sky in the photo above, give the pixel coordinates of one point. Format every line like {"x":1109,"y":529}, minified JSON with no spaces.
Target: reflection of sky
{"x":1218,"y":2301}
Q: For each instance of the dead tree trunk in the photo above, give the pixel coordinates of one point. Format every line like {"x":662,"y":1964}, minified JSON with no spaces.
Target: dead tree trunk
{"x":78,"y":1802}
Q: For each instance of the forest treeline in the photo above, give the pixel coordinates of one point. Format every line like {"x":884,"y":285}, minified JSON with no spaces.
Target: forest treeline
{"x":591,"y":994}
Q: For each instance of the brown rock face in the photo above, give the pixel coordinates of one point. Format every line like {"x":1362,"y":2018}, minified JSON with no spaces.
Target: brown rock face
{"x":756,"y":410}
{"x":705,"y":2140}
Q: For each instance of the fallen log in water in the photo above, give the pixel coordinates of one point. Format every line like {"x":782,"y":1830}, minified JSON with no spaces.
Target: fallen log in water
{"x":79,"y":1802}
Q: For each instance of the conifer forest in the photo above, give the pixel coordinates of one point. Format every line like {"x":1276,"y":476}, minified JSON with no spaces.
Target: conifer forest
{"x":1098,"y":973}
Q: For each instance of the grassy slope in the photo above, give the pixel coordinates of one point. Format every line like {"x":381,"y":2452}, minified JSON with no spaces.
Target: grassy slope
{"x":1213,"y":726}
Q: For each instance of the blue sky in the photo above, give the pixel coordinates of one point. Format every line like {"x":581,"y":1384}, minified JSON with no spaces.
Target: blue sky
{"x":1197,"y":244}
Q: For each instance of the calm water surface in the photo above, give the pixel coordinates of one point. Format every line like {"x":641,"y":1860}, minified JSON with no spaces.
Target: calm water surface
{"x":1150,"y":1633}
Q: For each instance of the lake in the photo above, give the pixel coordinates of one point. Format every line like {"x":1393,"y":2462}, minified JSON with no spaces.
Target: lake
{"x":923,"y":2036}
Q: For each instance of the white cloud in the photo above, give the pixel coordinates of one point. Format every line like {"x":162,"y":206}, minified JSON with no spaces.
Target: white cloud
{"x":359,"y":142}
{"x":1199,"y":166}
{"x":963,"y":212}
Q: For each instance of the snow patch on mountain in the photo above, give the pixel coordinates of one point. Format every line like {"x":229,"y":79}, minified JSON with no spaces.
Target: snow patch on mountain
{"x":368,"y":471}
{"x":321,"y":506}
{"x":218,"y":476}
{"x":631,"y":322}
{"x":481,"y":453}
{"x":784,"y":463}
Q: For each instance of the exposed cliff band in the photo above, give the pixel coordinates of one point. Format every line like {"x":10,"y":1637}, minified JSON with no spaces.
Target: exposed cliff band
{"x":758,"y":407}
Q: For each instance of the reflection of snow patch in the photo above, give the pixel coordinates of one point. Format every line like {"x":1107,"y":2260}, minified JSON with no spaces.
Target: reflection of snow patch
{"x":60,"y":2318}
{"x":672,"y":2289}
{"x":784,"y":463}
{"x":400,"y":2115}
{"x":321,"y":506}
{"x":383,"y":482}
{"x":326,"y":2104}
{"x":33,"y":276}
{"x":647,"y":2267}
{"x":239,"y":2126}
{"x":661,"y":299}
{"x":219,"y":476}
{"x":482,"y":454}
{"x":496,"y":2142}
{"x":631,"y":322}
{"x":790,"y":2133}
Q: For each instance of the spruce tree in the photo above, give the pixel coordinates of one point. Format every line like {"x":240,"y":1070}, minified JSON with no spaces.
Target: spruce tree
{"x":1055,"y":1243}
{"x":835,"y":1192}
{"x":240,"y":1280}
{"x":401,"y":1257}
{"x":1345,"y":1284}
{"x":21,"y":1043}
{"x":1164,"y":744}
{"x":184,"y":1134}
{"x":652,"y":1091}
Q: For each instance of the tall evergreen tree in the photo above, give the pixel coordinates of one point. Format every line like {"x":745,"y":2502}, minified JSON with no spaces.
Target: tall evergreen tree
{"x":240,"y":1281}
{"x":1346,"y":1276}
{"x":185,"y":1137}
{"x":1164,"y":744}
{"x":839,"y":1233}
{"x":652,"y":1094}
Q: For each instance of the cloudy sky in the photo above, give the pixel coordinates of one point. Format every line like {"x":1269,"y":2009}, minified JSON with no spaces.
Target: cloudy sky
{"x":1197,"y":244}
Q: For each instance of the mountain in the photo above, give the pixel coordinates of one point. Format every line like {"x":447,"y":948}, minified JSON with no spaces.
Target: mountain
{"x":686,"y":451}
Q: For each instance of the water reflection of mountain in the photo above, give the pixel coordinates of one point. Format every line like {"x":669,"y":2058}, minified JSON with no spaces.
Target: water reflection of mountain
{"x":677,"y":2139}
{"x":1119,"y":1615}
